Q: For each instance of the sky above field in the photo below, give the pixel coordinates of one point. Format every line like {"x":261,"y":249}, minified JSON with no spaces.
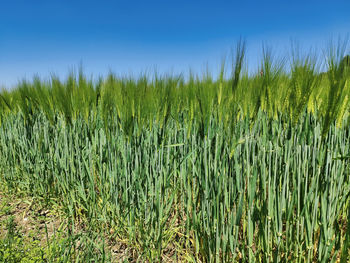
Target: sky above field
{"x":125,"y":37}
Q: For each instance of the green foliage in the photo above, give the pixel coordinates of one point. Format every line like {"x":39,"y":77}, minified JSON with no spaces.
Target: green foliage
{"x":338,"y":75}
{"x":253,"y":168}
{"x":273,"y":185}
{"x":303,"y":81}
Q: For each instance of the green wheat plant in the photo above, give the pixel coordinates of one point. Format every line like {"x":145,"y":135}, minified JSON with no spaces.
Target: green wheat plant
{"x":239,"y":168}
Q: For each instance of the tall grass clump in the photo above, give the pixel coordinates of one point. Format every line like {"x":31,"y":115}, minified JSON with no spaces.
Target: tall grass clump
{"x":302,"y":83}
{"x":244,"y":168}
{"x":338,"y":76}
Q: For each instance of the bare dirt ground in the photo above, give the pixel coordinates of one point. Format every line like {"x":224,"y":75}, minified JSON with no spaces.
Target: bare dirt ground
{"x":30,"y":217}
{"x":38,"y":224}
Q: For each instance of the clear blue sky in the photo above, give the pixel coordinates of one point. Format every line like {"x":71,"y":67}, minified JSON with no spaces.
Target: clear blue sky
{"x":52,"y":36}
